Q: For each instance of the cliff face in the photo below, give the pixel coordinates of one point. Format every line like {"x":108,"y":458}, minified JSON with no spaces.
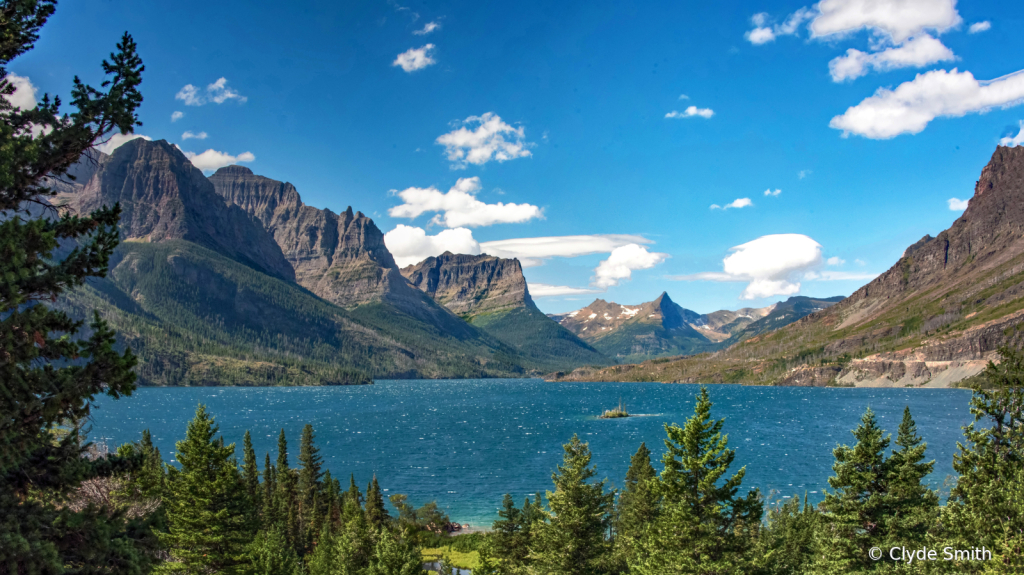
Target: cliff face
{"x":164,"y":197}
{"x":339,"y":257}
{"x":471,"y":285}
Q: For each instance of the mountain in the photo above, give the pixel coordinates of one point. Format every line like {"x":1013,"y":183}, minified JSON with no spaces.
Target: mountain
{"x":204,"y":295}
{"x":780,"y":315}
{"x":491,"y":293}
{"x":629,"y":333}
{"x":934,"y":318}
{"x":164,"y":197}
{"x":723,"y":324}
{"x":339,"y":257}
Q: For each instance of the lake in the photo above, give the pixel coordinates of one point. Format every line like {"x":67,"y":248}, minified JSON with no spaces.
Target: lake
{"x":465,"y":443}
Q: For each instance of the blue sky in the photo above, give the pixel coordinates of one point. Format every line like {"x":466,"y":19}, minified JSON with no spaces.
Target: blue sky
{"x":566,"y":111}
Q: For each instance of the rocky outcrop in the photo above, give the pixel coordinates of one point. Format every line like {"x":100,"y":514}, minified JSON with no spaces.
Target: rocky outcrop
{"x":163,"y":197}
{"x":471,"y":284}
{"x":339,"y":257}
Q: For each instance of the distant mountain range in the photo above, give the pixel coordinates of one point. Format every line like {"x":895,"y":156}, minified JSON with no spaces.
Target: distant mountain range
{"x":934,"y":318}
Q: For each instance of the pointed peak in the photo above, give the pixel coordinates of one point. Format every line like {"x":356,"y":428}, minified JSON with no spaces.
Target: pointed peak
{"x":348,"y":212}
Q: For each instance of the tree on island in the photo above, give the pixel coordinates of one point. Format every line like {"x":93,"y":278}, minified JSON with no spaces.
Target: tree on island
{"x":574,"y":540}
{"x":49,"y":371}
{"x":703,"y":526}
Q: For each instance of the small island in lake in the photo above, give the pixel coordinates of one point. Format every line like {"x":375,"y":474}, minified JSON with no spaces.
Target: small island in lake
{"x":615,"y":412}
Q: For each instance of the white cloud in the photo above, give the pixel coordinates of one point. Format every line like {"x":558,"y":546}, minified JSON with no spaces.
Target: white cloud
{"x":770,"y":192}
{"x":212,"y":159}
{"x":175,"y":116}
{"x":416,"y":58}
{"x":622,"y":261}
{"x":979,"y":27}
{"x":957,"y":205}
{"x":459,"y":207}
{"x":912,"y":105}
{"x":683,"y":97}
{"x":759,"y":36}
{"x":545,"y":290}
{"x":533,"y":251}
{"x":763,"y":33}
{"x":803,"y":174}
{"x":772,"y":265}
{"x":190,"y":135}
{"x":898,"y":20}
{"x":737,"y":203}
{"x":835,"y":276}
{"x":491,"y":139}
{"x":835,"y":261}
{"x":411,"y":245}
{"x":916,"y":52}
{"x":690,"y":112}
{"x":1012,"y":141}
{"x":217,"y":92}
{"x":427,"y":29}
{"x":117,"y":140}
{"x":24,"y":96}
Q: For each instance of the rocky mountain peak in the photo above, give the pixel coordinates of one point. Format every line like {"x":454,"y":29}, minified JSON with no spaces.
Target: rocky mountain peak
{"x":471,"y":284}
{"x":164,"y":197}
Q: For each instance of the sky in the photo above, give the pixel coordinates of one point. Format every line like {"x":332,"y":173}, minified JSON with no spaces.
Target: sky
{"x":731,"y":154}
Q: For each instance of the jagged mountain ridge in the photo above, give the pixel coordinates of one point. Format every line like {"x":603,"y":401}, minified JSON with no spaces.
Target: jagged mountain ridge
{"x":934,"y":318}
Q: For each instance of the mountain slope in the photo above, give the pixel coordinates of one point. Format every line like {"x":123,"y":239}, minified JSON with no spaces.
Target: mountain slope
{"x":491,"y":294}
{"x":932,"y":319}
{"x":781,"y":315}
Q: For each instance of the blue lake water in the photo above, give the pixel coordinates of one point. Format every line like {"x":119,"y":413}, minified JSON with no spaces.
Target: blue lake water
{"x":465,"y":443}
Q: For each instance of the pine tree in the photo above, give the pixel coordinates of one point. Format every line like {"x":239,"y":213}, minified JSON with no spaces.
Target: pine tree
{"x":392,"y":556}
{"x":509,"y":540}
{"x":638,"y":505}
{"x":574,"y":542}
{"x":703,"y":525}
{"x":376,"y":513}
{"x":912,"y":508}
{"x":251,"y":476}
{"x":207,"y":507}
{"x":855,"y":512}
{"x":50,"y":371}
{"x":785,"y":544}
{"x":353,"y":491}
{"x":269,"y":492}
{"x":285,"y":500}
{"x":270,"y":553}
{"x":309,"y":488}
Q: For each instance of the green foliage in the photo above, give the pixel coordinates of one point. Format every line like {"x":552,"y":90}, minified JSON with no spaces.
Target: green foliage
{"x":510,"y":538}
{"x":206,"y":502}
{"x":394,"y":556}
{"x":376,"y":513}
{"x":50,"y":369}
{"x":638,"y":505}
{"x":574,"y":540}
{"x":703,"y":526}
{"x":542,"y":343}
{"x":785,"y":543}
{"x":270,"y":553}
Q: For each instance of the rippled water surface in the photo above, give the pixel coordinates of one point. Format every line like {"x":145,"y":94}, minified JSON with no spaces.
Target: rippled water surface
{"x":467,"y":442}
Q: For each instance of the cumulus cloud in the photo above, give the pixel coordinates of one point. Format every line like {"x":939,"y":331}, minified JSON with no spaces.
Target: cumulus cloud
{"x":427,"y":29}
{"x":533,"y":251}
{"x":416,"y":58}
{"x":622,"y":262}
{"x":691,"y":112}
{"x":217,"y":92}
{"x":411,"y":245}
{"x":957,"y":205}
{"x":480,"y":139}
{"x":459,"y":207}
{"x":835,"y":261}
{"x":915,"y":53}
{"x":1012,"y":141}
{"x":979,"y":27}
{"x":899,"y":20}
{"x":188,"y":135}
{"x":24,"y":96}
{"x":939,"y":93}
{"x":769,"y":192}
{"x":212,"y":159}
{"x":764,"y":33}
{"x":175,"y":116}
{"x":546,"y":290}
{"x":771,"y":265}
{"x":116,"y":141}
{"x":737,"y":203}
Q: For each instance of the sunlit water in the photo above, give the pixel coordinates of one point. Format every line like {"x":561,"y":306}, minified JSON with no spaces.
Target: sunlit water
{"x":467,"y":442}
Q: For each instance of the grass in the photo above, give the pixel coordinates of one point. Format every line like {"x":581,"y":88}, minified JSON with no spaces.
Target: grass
{"x":463,"y":560}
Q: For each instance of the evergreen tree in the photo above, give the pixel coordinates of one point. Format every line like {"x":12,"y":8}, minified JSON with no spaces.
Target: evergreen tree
{"x":353,"y":491}
{"x":986,"y":507}
{"x":376,"y":513}
{"x":270,"y":553}
{"x":856,"y":511}
{"x":574,"y":541}
{"x":50,"y":371}
{"x":251,"y":475}
{"x":703,"y":525}
{"x":785,"y":544}
{"x":509,"y":539}
{"x":392,"y":556}
{"x":207,"y":507}
{"x":285,"y":500}
{"x":912,"y":508}
{"x":638,"y":504}
{"x":310,"y":475}
{"x":269,"y":491}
